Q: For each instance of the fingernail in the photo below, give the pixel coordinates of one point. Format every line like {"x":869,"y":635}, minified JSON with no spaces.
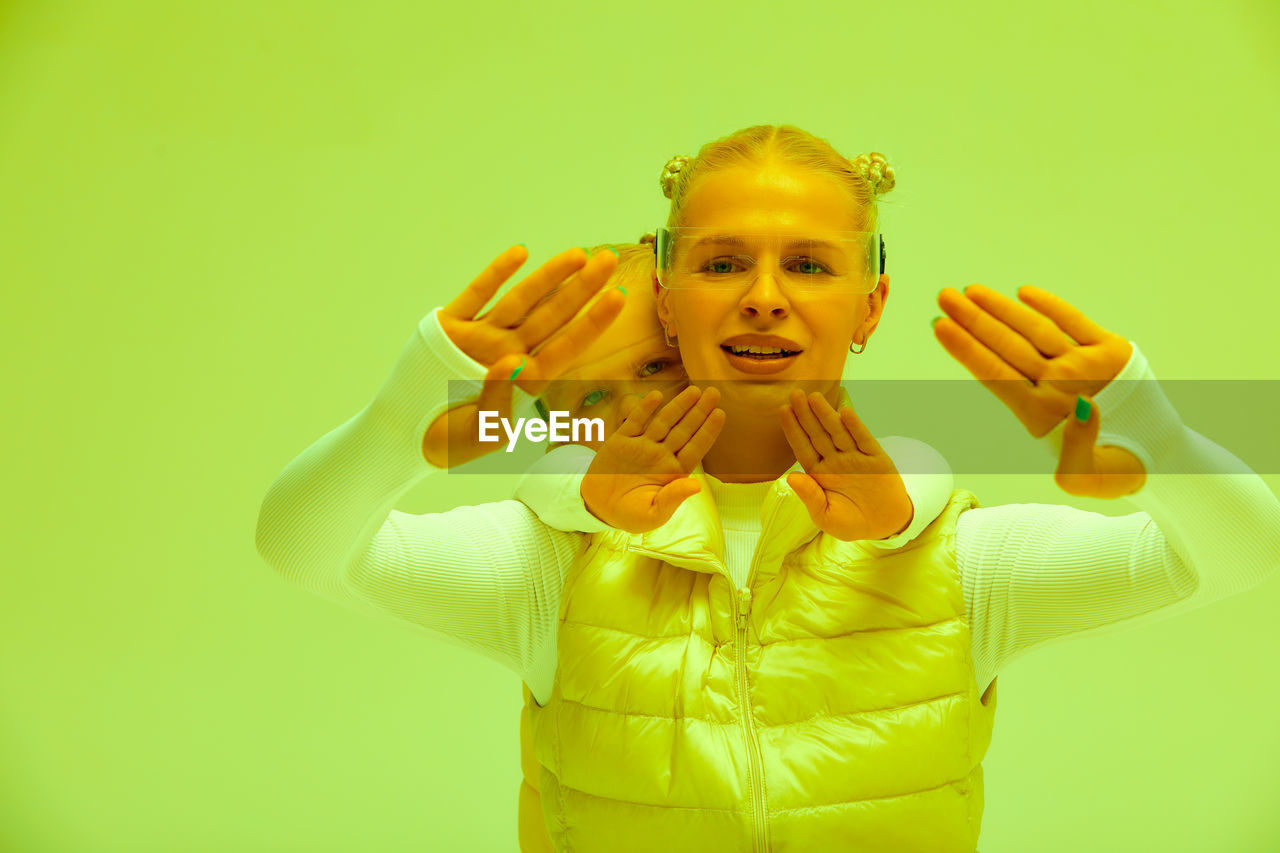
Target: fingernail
{"x":934,"y":321}
{"x":516,"y":372}
{"x":585,"y":249}
{"x":522,"y":245}
{"x":623,"y":289}
{"x":1082,"y":409}
{"x":615,"y":252}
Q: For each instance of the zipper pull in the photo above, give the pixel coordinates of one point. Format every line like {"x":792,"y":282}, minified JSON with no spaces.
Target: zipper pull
{"x":744,"y":601}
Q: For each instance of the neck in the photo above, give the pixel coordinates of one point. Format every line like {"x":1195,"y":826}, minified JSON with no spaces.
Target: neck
{"x":751,"y":447}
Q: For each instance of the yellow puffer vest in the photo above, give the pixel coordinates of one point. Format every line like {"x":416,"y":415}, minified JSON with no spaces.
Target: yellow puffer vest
{"x":830,"y":705}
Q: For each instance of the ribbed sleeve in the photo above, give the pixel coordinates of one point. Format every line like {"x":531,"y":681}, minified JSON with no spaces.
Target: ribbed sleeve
{"x":552,"y":488}
{"x":487,"y":577}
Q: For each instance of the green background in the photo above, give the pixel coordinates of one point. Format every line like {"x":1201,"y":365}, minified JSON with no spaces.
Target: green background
{"x":219,"y":222}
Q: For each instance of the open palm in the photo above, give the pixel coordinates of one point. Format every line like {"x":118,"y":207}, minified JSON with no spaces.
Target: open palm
{"x":850,"y":486}
{"x":640,"y":475}
{"x":533,"y":332}
{"x":1037,"y":357}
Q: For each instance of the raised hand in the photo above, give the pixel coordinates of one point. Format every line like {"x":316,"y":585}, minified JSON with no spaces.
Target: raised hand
{"x":531,"y":320}
{"x":640,"y":476}
{"x":1039,"y":359}
{"x":527,"y":338}
{"x":850,"y":487}
{"x":454,"y":437}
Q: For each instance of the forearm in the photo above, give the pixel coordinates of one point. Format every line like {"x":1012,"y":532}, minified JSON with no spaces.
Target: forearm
{"x":324,"y":507}
{"x":1217,"y":515}
{"x":321,"y":513}
{"x":1036,"y":573}
{"x":484,"y":576}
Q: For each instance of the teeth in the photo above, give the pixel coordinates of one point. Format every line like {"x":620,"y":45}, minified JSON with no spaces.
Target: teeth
{"x":758,"y":350}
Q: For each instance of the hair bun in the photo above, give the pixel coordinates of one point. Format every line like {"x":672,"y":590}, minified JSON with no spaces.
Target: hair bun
{"x":671,"y":173}
{"x":875,"y":170}
{"x":648,"y":239}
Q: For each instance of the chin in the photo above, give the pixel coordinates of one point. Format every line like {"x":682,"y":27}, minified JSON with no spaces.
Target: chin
{"x":764,"y":395}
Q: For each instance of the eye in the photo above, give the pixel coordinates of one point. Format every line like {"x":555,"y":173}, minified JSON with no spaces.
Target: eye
{"x":723,"y":265}
{"x":594,"y":397}
{"x":808,"y":266}
{"x":655,"y":366}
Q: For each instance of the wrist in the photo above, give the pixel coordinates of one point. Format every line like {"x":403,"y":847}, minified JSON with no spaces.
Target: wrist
{"x":584,"y":491}
{"x":911,"y":516}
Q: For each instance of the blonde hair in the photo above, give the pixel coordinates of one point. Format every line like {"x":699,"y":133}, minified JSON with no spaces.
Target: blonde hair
{"x":634,"y":269}
{"x":865,"y":176}
{"x":634,"y":259}
{"x":635,"y":266}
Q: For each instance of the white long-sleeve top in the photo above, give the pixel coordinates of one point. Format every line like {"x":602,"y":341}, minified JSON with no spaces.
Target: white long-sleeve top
{"x":489,"y":577}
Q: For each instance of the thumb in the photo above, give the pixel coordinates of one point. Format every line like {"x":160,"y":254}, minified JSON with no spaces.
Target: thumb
{"x":670,"y":496}
{"x":810,"y":493}
{"x":1079,"y":437}
{"x":1075,"y":474}
{"x":495,"y":394}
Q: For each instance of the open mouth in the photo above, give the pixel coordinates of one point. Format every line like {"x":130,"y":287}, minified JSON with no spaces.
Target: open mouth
{"x":762,"y":353}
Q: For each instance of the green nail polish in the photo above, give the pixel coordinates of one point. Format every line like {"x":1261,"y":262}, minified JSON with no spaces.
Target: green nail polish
{"x":585,"y":249}
{"x":934,"y":321}
{"x":615,"y":252}
{"x":516,"y":372}
{"x":1082,"y":409}
{"x":623,"y":289}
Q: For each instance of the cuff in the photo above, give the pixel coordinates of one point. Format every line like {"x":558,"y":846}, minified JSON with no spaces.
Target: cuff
{"x":466,"y":374}
{"x":417,"y":391}
{"x":1135,"y":414}
{"x":552,"y":489}
{"x":928,"y":481}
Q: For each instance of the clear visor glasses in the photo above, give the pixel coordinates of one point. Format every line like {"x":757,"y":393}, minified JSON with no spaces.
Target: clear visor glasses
{"x":843,"y":261}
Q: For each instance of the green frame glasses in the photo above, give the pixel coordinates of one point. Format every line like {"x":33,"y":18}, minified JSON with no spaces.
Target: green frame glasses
{"x":711,"y":258}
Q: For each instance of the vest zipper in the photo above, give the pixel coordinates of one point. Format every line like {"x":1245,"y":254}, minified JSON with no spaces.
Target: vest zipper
{"x":742,"y":608}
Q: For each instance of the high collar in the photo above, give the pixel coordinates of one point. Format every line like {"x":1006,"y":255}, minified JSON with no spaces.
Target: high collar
{"x":693,"y":538}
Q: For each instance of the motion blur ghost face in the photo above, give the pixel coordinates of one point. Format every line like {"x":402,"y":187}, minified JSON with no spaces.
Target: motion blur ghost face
{"x":633,"y":357}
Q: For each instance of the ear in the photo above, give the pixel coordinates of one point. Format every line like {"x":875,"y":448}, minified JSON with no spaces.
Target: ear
{"x":662,"y":297}
{"x":875,"y":305}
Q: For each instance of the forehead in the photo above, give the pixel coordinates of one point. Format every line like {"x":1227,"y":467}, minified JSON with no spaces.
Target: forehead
{"x":770,"y":197}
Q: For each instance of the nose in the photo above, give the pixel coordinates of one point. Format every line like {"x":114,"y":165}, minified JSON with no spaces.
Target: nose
{"x":765,"y":298}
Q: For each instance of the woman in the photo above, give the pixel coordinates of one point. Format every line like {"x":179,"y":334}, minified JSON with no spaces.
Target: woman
{"x":809,"y":704}
{"x":805,"y":693}
{"x":634,"y":357}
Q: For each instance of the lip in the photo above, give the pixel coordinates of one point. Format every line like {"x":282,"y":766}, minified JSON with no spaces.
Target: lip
{"x":746,"y":364}
{"x":762,"y":341}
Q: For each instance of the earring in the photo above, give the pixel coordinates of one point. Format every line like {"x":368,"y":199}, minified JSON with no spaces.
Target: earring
{"x":856,"y":351}
{"x":670,"y":342}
